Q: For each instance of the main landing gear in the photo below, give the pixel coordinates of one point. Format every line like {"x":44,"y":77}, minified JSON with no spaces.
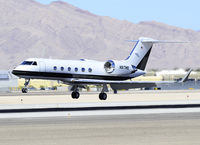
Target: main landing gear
{"x":25,"y":89}
{"x":75,"y":94}
{"x":102,"y":96}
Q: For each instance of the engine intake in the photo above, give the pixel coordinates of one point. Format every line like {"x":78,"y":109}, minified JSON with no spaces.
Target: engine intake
{"x":109,"y":66}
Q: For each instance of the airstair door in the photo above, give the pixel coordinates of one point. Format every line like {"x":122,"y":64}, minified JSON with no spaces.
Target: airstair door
{"x":42,"y":66}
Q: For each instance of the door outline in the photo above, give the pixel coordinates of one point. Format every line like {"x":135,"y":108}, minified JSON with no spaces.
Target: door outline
{"x":42,"y":66}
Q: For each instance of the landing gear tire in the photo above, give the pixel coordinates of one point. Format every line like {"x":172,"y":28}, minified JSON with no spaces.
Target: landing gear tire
{"x":24,"y":90}
{"x":75,"y":95}
{"x":102,"y":96}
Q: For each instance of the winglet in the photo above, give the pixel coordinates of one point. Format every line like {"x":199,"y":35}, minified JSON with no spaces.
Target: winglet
{"x":185,"y":78}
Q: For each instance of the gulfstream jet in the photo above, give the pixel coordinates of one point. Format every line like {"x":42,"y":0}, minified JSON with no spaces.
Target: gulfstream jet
{"x":79,"y":73}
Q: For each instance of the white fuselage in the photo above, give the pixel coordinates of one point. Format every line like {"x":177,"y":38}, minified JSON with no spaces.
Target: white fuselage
{"x":67,"y":70}
{"x":79,"y":73}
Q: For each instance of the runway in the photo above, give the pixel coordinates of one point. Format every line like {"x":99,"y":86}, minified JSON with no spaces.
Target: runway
{"x":162,"y":129}
{"x":59,"y":101}
{"x":52,"y":104}
{"x":175,"y":120}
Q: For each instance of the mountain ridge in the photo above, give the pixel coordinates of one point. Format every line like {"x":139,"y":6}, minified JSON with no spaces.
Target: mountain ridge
{"x":60,"y":30}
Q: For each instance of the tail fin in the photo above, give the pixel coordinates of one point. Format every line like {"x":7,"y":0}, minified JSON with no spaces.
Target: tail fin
{"x":140,"y":53}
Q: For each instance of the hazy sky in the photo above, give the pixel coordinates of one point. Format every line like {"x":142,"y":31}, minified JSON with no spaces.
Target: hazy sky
{"x":181,"y":13}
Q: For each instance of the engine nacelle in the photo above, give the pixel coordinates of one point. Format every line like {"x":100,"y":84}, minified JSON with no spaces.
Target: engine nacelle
{"x":118,"y":67}
{"x":109,"y":66}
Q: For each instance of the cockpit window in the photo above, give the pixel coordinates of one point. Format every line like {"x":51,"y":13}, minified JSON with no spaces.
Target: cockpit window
{"x":29,"y":63}
{"x":34,"y":63}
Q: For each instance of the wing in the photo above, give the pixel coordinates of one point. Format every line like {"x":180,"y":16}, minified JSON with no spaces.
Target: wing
{"x":125,"y":84}
{"x":114,"y":84}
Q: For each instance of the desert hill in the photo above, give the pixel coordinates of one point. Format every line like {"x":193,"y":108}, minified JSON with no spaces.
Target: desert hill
{"x":60,"y":30}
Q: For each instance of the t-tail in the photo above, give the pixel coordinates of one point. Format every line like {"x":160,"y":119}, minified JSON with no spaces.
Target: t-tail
{"x":140,"y":54}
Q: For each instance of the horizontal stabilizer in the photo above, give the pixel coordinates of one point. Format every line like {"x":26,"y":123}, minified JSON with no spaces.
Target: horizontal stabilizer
{"x":145,"y":39}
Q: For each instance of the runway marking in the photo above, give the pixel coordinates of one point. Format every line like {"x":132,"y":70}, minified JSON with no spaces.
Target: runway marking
{"x":97,"y":113}
{"x":97,"y":108}
{"x":103,"y":112}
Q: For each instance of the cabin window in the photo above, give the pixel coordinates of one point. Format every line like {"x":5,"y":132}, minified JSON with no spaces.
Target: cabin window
{"x":34,"y":63}
{"x":62,"y":68}
{"x":55,"y":68}
{"x":69,"y":68}
{"x":76,"y":69}
{"x":83,"y":69}
{"x":90,"y":70}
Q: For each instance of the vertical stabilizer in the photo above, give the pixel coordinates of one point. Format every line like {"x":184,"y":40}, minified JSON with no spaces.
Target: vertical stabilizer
{"x":140,"y":53}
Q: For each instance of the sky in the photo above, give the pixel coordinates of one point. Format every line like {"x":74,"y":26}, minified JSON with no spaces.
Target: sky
{"x":180,"y":13}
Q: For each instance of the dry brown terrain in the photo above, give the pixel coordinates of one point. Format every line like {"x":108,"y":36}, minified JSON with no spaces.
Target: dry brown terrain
{"x":60,"y":30}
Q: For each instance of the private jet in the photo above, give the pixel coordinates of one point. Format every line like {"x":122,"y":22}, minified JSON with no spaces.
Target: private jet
{"x":79,"y":73}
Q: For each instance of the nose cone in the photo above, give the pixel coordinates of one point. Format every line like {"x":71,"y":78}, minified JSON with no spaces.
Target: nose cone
{"x":17,"y":71}
{"x":14,"y":72}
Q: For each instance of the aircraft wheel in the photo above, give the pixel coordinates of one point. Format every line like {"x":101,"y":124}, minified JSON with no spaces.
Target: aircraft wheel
{"x":102,"y":96}
{"x":24,"y":90}
{"x":75,"y":95}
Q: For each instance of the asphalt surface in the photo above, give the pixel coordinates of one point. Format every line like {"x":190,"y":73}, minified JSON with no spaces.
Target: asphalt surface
{"x":162,"y":129}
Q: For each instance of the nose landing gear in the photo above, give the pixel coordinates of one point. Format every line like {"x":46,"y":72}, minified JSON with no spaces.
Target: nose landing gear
{"x":25,"y":89}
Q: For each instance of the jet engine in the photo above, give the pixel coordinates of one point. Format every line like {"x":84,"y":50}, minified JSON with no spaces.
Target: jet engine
{"x":118,"y":67}
{"x":109,"y":66}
